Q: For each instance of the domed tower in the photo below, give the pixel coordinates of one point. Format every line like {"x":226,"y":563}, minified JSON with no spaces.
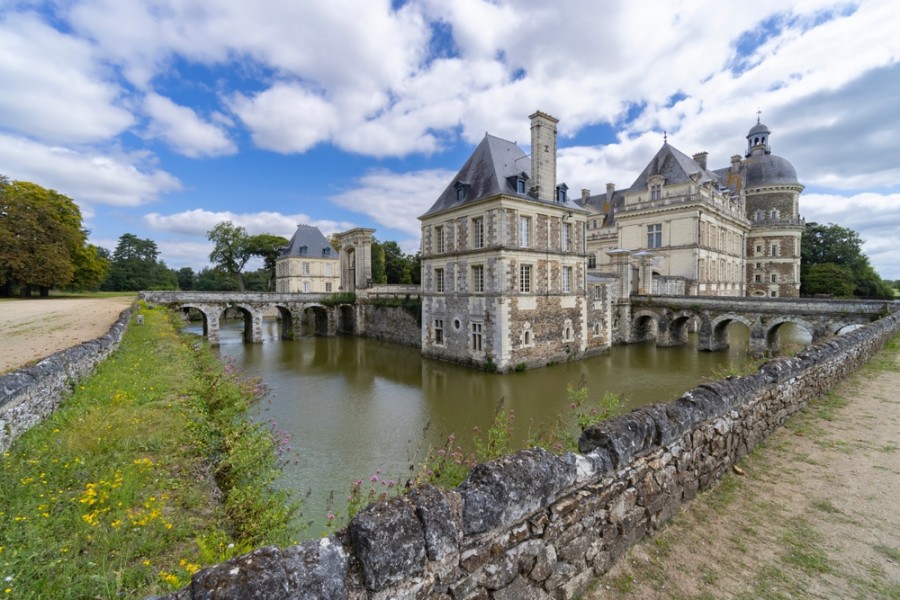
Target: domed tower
{"x":773,"y":206}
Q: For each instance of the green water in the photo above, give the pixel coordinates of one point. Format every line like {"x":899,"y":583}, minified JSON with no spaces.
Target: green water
{"x":354,"y":406}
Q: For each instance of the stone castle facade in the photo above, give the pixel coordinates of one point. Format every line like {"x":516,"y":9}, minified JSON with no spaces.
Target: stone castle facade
{"x":516,"y":274}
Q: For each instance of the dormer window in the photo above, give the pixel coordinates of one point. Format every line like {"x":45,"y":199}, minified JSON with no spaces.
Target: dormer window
{"x":517,"y":181}
{"x":303,"y":250}
{"x":655,"y":185}
{"x":655,"y":191}
{"x":326,"y":251}
{"x":561,"y":191}
{"x":461,"y":188}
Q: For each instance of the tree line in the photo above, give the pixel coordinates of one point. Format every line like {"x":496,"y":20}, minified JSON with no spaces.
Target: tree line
{"x":43,"y":246}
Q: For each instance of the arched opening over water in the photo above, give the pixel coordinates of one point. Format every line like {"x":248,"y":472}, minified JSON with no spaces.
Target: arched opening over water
{"x":789,"y":335}
{"x":644,"y":326}
{"x":346,"y":319}
{"x":315,"y":320}
{"x":731,"y":331}
{"x":287,"y":323}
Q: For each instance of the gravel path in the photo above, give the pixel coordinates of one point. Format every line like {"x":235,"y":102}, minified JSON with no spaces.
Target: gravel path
{"x":33,"y":329}
{"x":814,"y":512}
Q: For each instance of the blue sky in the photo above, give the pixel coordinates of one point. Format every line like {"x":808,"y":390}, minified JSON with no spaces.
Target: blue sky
{"x":164,"y":117}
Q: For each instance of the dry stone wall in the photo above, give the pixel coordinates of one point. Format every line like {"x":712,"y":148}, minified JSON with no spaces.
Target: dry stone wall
{"x":29,"y":395}
{"x":536,"y":525}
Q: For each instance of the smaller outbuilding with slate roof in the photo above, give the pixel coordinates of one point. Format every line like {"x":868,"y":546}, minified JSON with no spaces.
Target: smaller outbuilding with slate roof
{"x":308,"y":264}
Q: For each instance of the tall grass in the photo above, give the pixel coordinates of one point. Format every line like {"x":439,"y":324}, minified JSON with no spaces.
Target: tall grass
{"x":148,"y":471}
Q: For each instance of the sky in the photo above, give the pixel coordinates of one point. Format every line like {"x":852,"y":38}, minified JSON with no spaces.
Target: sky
{"x":162,"y":118}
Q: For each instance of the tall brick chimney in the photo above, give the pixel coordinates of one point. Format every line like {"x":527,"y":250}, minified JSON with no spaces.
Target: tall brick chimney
{"x":543,"y":155}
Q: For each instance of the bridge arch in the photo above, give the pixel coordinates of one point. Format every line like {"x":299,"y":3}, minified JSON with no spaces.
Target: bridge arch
{"x":316,"y":320}
{"x":645,"y":326}
{"x":286,"y":318}
{"x":714,"y":331}
{"x":347,"y":321}
{"x":210,"y":315}
{"x":773,"y":342}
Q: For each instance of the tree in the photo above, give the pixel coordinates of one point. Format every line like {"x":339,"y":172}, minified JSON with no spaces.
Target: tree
{"x":42,"y":242}
{"x":268,"y":247}
{"x":135,"y":266}
{"x":91,"y":267}
{"x":833,"y":244}
{"x":231,"y":249}
{"x":186,"y":278}
{"x":396,"y":265}
{"x":215,"y":280}
{"x":829,"y":279}
{"x":378,"y":274}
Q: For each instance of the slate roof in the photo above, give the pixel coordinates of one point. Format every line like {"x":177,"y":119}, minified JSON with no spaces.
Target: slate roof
{"x":675,"y":166}
{"x":309,"y":241}
{"x":490,"y":170}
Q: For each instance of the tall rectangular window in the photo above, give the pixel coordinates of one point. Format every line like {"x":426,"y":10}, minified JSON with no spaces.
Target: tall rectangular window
{"x":525,"y":278}
{"x":439,"y":280}
{"x":478,"y":232}
{"x":306,"y":268}
{"x":329,"y":270}
{"x":567,"y":279}
{"x":328,"y":287}
{"x":478,"y":278}
{"x":656,"y":191}
{"x":305,"y":287}
{"x":566,"y":237}
{"x":439,"y":239}
{"x":524,"y":232}
{"x":439,"y":332}
{"x":774,"y":278}
{"x":654,"y":235}
{"x":476,"y":337}
{"x":774,"y":250}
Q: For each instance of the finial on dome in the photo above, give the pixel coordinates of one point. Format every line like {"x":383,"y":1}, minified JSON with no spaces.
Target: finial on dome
{"x":758,"y":113}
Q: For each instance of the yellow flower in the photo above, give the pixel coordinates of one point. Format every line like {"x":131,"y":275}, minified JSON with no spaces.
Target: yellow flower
{"x":146,"y":563}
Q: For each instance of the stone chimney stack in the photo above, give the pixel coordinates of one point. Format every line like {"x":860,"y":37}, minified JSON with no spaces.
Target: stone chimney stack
{"x":610,"y":188}
{"x":700,"y":159}
{"x":543,"y":155}
{"x":585,"y":193}
{"x":735,"y":163}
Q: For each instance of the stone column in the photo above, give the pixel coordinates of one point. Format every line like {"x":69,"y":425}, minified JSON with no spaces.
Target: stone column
{"x":645,"y":279}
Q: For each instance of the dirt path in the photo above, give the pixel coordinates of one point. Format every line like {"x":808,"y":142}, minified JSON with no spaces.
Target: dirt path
{"x":33,"y":329}
{"x":815,"y":514}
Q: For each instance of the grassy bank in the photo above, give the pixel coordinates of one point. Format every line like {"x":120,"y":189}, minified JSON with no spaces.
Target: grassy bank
{"x":147,"y":472}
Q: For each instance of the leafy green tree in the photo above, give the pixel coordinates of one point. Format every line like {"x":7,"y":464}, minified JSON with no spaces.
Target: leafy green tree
{"x":829,"y":279}
{"x":186,"y":278}
{"x":396,"y":265}
{"x":378,"y":273}
{"x":231,"y":249}
{"x":841,"y":246}
{"x":136,"y":266}
{"x":42,"y":242}
{"x":215,"y":280}
{"x":268,"y":247}
{"x":91,"y":266}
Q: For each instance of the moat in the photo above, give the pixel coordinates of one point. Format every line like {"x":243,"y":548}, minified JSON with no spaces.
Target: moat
{"x":354,"y":406}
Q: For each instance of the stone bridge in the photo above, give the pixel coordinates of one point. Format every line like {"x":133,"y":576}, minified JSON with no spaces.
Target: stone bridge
{"x":667,"y":318}
{"x":299,"y":313}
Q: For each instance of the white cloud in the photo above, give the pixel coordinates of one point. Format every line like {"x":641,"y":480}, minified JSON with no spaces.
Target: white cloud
{"x":286,"y":118}
{"x":180,"y":127}
{"x":395,"y":200}
{"x":198,"y":221}
{"x":87,"y":176}
{"x":54,"y":87}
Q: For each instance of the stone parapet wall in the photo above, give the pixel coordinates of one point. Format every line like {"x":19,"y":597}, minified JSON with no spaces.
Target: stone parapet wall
{"x":30,"y":394}
{"x":538,"y":525}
